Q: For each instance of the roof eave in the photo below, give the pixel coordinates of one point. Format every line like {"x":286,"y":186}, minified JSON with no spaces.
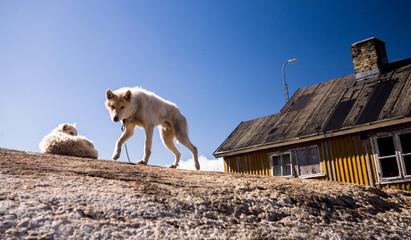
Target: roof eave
{"x":313,"y":137}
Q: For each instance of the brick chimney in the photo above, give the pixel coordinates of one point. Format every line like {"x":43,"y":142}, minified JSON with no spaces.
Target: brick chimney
{"x":369,"y":58}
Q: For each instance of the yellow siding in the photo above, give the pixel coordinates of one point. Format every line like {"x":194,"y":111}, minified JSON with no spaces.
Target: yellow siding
{"x":260,"y":170}
{"x":363,"y":167}
{"x":360,"y":160}
{"x":254,"y":162}
{"x":344,"y":157}
{"x":263,"y":161}
{"x":336,"y":153}
{"x":330,"y":161}
{"x":225,"y":166}
{"x":354,"y":154}
{"x":233,"y":165}
{"x":351,"y":161}
{"x":357,"y":165}
{"x":371,"y":157}
{"x":330,"y":165}
{"x":267,"y":160}
{"x":402,"y":186}
{"x":249,"y":167}
{"x":348,"y":160}
{"x":258,"y":161}
{"x":321,"y":151}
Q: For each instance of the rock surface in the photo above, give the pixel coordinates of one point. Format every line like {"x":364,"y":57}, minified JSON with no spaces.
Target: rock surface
{"x":59,"y":197}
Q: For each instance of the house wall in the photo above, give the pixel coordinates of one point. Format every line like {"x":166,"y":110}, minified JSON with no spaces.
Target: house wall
{"x":347,"y":158}
{"x":256,"y":162}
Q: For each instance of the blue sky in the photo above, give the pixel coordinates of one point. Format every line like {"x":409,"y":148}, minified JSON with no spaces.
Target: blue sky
{"x":219,"y":61}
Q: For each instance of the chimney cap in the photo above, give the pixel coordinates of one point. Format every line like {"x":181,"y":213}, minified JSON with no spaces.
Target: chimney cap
{"x":368,"y":39}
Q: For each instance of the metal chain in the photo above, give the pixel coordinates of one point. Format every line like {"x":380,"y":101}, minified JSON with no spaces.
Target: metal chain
{"x":125,"y":145}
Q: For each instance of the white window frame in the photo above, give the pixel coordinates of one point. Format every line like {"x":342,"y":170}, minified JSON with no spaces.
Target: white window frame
{"x":399,"y":155}
{"x":276,"y":154}
{"x":320,"y":174}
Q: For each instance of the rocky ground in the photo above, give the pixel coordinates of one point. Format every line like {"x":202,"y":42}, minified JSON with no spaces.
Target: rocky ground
{"x":59,"y":197}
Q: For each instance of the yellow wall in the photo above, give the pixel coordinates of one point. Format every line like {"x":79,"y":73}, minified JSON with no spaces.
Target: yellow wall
{"x":344,"y":159}
{"x":347,"y":159}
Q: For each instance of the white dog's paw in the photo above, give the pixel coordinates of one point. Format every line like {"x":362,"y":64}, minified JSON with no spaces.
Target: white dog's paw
{"x":116,"y":155}
{"x":141,"y":162}
{"x":173,"y":166}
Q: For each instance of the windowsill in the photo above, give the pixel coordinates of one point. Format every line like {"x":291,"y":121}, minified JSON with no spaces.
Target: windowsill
{"x":394,"y":181}
{"x":287,"y":176}
{"x":312,"y":175}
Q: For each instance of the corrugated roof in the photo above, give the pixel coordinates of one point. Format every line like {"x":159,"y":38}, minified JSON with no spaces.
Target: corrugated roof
{"x":342,"y":103}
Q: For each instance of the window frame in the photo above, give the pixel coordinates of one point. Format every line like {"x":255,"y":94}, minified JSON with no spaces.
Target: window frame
{"x":276,"y":154}
{"x":295,"y":171}
{"x":406,"y":176}
{"x":399,"y":155}
{"x":315,"y":175}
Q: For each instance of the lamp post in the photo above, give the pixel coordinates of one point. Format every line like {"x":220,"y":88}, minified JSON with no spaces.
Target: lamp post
{"x":285,"y":87}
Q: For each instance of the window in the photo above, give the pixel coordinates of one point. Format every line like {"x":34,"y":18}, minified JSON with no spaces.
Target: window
{"x":301,"y":162}
{"x":387,"y":157}
{"x":405,"y":140}
{"x":393,"y":154}
{"x":281,"y":164}
{"x":308,"y":162}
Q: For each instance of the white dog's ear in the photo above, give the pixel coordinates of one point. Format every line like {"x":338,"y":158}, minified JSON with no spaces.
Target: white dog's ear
{"x":109,"y":94}
{"x":75,"y":124}
{"x":65,"y":127}
{"x":127,"y":95}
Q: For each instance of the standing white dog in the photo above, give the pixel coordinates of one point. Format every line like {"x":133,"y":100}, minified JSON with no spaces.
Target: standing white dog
{"x":139,"y":107}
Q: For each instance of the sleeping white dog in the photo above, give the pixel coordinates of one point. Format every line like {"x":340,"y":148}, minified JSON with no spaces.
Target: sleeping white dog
{"x":63,"y":140}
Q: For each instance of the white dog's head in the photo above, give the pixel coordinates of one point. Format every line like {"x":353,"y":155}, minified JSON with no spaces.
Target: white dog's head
{"x":67,"y":128}
{"x":119,"y":105}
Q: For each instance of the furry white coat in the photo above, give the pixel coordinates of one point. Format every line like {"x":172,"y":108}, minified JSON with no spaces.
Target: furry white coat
{"x":63,"y":140}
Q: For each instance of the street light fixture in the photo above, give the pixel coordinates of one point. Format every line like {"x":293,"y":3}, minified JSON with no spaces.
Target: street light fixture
{"x":285,"y":87}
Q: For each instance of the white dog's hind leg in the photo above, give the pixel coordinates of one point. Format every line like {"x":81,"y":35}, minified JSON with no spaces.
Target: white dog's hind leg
{"x":181,"y":133}
{"x":167,"y":136}
{"x":183,"y":139}
{"x":194,"y":151}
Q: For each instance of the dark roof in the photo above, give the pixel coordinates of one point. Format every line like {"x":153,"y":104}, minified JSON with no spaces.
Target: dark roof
{"x":338,"y":104}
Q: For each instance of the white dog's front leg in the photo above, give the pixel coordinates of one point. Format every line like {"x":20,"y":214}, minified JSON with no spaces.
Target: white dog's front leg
{"x":128,"y":133}
{"x":116,"y":153}
{"x":147,"y":145}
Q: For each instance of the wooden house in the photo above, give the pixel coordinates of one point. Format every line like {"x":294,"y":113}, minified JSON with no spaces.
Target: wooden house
{"x":354,"y":129}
